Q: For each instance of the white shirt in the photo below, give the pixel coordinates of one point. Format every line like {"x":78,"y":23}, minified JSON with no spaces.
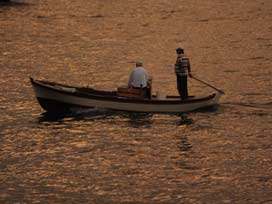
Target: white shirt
{"x":138,"y":78}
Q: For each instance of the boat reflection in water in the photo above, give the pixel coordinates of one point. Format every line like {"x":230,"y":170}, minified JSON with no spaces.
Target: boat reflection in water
{"x":75,"y":114}
{"x":137,"y":120}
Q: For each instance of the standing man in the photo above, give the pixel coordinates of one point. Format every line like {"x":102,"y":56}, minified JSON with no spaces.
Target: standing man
{"x":182,"y":70}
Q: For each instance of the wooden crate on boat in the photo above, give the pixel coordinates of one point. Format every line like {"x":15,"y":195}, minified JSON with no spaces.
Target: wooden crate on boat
{"x":131,"y":92}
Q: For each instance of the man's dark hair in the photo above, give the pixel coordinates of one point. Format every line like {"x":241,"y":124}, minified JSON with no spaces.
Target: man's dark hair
{"x":180,"y":51}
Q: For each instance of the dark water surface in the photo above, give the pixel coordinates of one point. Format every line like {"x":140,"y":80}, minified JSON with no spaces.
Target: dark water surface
{"x":220,"y":155}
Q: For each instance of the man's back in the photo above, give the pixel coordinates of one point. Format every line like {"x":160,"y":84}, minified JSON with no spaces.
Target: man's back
{"x":138,"y":78}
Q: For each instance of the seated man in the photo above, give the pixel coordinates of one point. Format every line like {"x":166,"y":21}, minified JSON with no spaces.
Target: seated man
{"x":139,"y":80}
{"x":138,"y":77}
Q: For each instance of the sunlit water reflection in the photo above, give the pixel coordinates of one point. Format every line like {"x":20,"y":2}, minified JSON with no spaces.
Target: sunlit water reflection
{"x":218,"y":155}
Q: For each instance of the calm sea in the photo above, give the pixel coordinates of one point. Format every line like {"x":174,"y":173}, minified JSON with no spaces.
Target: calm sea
{"x":220,"y":155}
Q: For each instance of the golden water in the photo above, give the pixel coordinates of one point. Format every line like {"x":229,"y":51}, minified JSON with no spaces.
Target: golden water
{"x":219,"y":156}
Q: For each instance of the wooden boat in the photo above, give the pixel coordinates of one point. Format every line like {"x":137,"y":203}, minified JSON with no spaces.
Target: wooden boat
{"x":54,"y":97}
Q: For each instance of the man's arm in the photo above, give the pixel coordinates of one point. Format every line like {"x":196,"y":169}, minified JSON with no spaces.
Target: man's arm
{"x":189,"y":68}
{"x":130,"y":79}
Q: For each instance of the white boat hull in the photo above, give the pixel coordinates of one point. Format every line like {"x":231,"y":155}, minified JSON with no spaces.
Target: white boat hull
{"x":64,"y":96}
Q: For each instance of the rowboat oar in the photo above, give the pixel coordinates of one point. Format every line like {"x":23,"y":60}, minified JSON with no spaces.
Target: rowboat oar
{"x":220,"y":91}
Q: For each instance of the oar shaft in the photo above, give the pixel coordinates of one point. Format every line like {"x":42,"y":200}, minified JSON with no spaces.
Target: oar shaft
{"x":208,"y":84}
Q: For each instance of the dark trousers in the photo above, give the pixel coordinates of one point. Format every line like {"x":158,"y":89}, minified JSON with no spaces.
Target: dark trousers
{"x":182,"y":86}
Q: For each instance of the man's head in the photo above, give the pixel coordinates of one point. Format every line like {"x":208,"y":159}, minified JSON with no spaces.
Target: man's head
{"x":180,"y":51}
{"x":139,"y":64}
